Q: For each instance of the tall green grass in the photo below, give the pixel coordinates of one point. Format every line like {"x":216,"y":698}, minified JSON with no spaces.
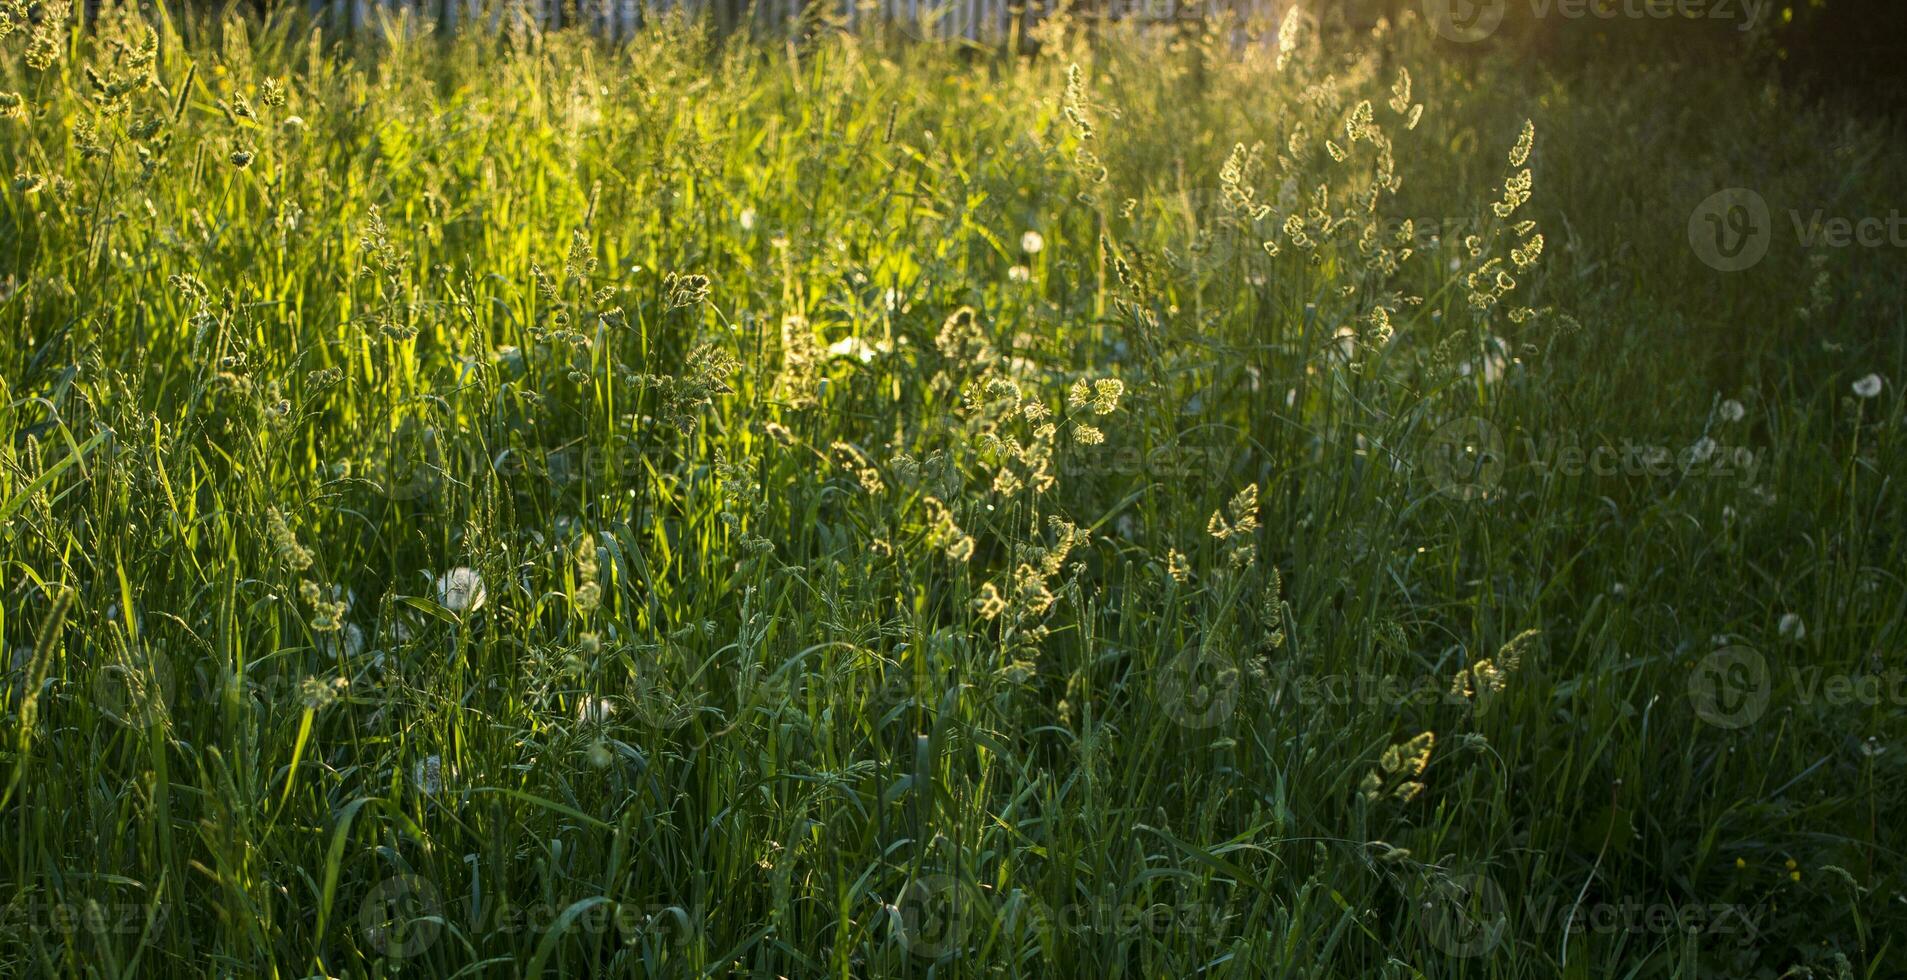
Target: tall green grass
{"x":871,"y":588}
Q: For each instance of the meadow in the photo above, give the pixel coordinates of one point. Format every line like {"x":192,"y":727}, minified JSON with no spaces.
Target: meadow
{"x":1175,"y":502}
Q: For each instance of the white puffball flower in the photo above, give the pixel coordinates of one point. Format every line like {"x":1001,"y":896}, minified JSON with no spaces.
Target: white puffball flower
{"x":747,"y":219}
{"x":1020,"y":273}
{"x":1732,"y":411}
{"x":1032,"y":242}
{"x":854,"y":348}
{"x":428,"y":775}
{"x":594,"y":710}
{"x":1346,"y":340}
{"x":1868,"y":387}
{"x":1792,"y":628}
{"x":461,"y":590}
{"x":348,"y":641}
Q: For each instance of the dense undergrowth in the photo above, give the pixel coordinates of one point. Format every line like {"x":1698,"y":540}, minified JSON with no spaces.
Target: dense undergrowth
{"x":1166,"y":506}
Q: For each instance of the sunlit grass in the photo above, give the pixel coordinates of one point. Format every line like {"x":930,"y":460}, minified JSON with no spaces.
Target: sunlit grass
{"x":863,"y":509}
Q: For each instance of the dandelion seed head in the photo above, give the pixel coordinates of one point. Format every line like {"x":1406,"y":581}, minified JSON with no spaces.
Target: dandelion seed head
{"x":461,"y":590}
{"x":427,"y":774}
{"x":593,"y":710}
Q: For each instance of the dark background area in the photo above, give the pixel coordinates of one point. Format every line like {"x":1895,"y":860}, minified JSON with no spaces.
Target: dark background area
{"x":1847,"y":51}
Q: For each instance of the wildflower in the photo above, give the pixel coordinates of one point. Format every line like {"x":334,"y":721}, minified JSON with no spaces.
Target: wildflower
{"x":1177,"y":567}
{"x":1106,"y":392}
{"x":1525,"y":142}
{"x":990,"y":604}
{"x":1527,"y":255}
{"x":1294,"y":32}
{"x":1792,"y":628}
{"x":1244,"y":511}
{"x":747,"y":219}
{"x":1020,"y":273}
{"x":1398,"y":769}
{"x":461,"y":590}
{"x":1079,"y":395}
{"x":1732,"y":411}
{"x":1032,"y":242}
{"x":1030,"y":584}
{"x":589,"y":591}
{"x":681,"y":291}
{"x":318,"y":694}
{"x":1868,"y":387}
{"x":1491,"y":675}
{"x":599,"y":756}
{"x":295,"y":556}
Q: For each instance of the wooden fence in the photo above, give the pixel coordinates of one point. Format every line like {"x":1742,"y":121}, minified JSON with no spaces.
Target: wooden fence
{"x":976,"y":20}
